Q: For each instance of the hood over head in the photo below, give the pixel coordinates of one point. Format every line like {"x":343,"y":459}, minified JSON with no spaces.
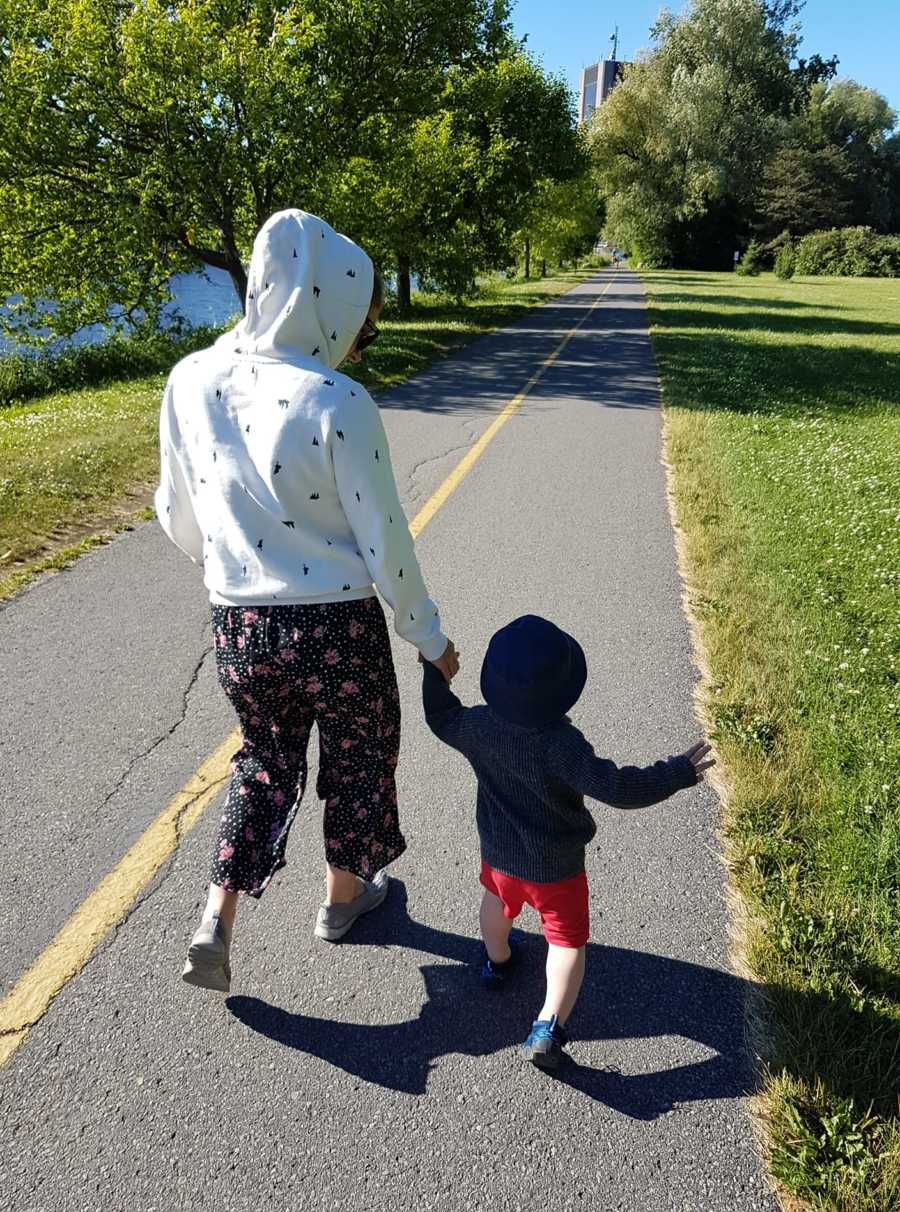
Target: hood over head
{"x":308,"y":291}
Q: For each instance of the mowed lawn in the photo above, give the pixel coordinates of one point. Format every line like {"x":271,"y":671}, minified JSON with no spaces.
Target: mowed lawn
{"x":783,"y":434}
{"x":75,"y":462}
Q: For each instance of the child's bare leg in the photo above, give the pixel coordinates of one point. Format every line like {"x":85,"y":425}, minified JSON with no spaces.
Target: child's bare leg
{"x":565,"y":972}
{"x":495,"y":928}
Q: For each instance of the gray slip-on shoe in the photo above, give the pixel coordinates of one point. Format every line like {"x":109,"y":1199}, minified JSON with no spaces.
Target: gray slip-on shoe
{"x":334,"y":921}
{"x":208,"y":956}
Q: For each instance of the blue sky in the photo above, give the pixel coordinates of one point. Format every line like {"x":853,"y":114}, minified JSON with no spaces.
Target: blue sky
{"x":568,"y":34}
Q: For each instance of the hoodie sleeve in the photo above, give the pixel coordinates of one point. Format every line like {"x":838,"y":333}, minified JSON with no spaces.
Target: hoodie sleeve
{"x":574,"y":763}
{"x":172,"y":500}
{"x":368,"y":493}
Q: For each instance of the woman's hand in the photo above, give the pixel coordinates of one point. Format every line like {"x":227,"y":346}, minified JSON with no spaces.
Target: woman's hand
{"x":696,"y":755}
{"x":448,"y":662}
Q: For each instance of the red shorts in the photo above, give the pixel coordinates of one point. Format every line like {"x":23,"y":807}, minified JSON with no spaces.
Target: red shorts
{"x":563,"y":905}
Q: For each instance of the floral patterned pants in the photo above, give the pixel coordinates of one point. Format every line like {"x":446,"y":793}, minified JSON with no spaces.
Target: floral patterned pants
{"x":284,"y":667}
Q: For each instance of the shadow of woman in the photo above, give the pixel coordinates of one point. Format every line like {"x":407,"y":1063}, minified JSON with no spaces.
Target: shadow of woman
{"x":627,"y":995}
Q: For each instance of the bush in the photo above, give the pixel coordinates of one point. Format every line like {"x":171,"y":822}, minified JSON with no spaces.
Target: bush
{"x":751,"y":263}
{"x":25,"y":376}
{"x":784,"y":262}
{"x":598,"y":261}
{"x":848,"y":252}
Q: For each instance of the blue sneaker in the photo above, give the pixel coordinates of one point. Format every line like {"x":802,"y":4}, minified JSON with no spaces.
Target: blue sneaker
{"x":494,"y":975}
{"x":545,"y":1043}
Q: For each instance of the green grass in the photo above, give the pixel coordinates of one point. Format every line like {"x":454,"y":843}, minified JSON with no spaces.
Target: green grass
{"x":74,"y":462}
{"x":783,"y":436}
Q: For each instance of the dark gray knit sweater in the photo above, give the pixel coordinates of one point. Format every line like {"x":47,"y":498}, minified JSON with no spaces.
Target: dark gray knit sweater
{"x":530,"y":810}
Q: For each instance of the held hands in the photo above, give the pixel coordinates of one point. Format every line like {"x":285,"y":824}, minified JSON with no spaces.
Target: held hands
{"x":696,"y":755}
{"x":448,"y":662}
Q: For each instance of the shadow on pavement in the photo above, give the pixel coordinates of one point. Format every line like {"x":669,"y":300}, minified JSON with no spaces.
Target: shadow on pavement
{"x":627,"y":995}
{"x":608,"y":362}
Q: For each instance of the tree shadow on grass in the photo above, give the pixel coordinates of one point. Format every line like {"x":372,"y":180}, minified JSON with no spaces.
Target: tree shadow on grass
{"x":627,"y":995}
{"x":729,"y":372}
{"x":797,"y":323}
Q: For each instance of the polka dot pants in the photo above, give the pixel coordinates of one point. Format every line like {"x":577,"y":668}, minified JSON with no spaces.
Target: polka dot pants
{"x":284,"y":667}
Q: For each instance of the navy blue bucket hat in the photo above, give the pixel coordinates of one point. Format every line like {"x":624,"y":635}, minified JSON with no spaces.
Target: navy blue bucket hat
{"x":533,"y":672}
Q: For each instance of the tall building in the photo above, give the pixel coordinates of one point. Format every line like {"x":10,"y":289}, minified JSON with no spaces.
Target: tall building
{"x":597,"y":82}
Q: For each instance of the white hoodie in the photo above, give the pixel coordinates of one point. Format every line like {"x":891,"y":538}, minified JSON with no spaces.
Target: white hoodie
{"x":275,"y":467}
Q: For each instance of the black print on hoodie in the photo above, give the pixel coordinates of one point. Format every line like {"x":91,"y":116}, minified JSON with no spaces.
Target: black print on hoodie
{"x":313,"y":502}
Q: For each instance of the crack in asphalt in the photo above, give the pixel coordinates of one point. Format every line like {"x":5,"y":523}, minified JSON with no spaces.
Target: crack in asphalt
{"x":414,"y":491}
{"x":164,"y":871}
{"x":166,"y":733}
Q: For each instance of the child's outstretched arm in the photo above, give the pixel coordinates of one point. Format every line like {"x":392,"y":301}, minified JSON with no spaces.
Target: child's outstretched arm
{"x":444,"y":713}
{"x":576,"y":764}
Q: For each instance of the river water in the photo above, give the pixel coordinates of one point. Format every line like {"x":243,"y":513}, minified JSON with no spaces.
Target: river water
{"x":206,"y":297}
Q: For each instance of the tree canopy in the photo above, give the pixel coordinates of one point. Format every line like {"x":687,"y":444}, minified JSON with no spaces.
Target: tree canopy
{"x":143,"y":137}
{"x":722,"y":132}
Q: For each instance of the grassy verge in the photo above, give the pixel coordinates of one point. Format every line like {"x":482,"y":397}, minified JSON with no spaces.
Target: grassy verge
{"x":783,"y":436}
{"x":76,"y":465}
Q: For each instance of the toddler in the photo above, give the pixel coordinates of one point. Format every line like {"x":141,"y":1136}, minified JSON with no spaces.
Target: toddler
{"x":533,"y":769}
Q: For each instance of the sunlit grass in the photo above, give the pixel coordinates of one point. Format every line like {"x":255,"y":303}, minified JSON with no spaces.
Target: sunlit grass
{"x":72,"y":457}
{"x":783,"y":434}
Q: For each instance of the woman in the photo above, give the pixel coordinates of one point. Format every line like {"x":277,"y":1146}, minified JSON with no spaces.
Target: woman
{"x":276,"y":476}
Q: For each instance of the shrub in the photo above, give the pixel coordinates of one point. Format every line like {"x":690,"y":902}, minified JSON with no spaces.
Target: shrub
{"x":27,"y":376}
{"x":751,"y":263}
{"x":848,"y":252}
{"x":784,"y":262}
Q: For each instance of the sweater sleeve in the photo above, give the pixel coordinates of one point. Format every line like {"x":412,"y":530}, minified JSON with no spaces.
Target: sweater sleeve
{"x":575,"y":764}
{"x":444,"y":713}
{"x":368,"y":493}
{"x":172,"y":499}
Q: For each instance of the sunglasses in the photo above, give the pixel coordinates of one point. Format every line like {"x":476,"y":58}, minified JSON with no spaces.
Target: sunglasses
{"x":367,"y":334}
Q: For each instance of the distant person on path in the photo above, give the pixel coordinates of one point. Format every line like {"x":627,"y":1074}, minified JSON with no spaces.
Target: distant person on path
{"x":533,"y":769}
{"x":276,"y":476}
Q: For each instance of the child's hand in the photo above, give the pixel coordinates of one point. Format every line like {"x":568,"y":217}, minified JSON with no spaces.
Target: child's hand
{"x":447,"y":663}
{"x":695,"y":755}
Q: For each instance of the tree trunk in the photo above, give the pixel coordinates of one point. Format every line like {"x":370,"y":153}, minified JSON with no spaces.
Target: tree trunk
{"x":543,"y":269}
{"x":234,"y":265}
{"x":238,"y":276}
{"x":527,"y":257}
{"x":404,"y":286}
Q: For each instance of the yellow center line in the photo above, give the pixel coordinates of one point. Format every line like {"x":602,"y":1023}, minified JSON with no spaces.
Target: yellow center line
{"x":109,"y":902}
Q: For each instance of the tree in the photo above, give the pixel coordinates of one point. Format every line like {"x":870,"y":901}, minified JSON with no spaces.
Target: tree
{"x":848,"y":118}
{"x":681,"y":144}
{"x":144,"y":138}
{"x":448,"y":198}
{"x":563,"y":222}
{"x":805,"y":189}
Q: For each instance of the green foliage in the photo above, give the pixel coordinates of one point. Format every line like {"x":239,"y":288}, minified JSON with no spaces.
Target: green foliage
{"x":688,"y":130}
{"x":852,"y":252}
{"x":783,"y":434}
{"x":826,"y":1146}
{"x":562,"y":222}
{"x":807,"y":188}
{"x":784,"y":261}
{"x":28,"y":377}
{"x":81,"y":456}
{"x":723,"y":130}
{"x":751,"y":263}
{"x":448,"y":199}
{"x":137,"y":140}
{"x":836,"y":164}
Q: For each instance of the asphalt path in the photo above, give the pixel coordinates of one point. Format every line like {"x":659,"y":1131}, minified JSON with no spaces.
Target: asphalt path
{"x":377,"y":1073}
